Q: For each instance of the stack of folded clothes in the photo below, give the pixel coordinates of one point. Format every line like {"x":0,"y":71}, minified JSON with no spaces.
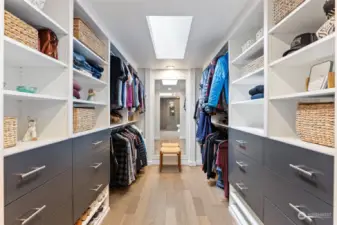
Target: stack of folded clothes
{"x":257,"y":92}
{"x":81,"y":63}
{"x":76,"y":90}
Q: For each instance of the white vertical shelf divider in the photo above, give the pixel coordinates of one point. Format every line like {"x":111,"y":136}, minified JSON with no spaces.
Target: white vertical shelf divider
{"x":2,"y":181}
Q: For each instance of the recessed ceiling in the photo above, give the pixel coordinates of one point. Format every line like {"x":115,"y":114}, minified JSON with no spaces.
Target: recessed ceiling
{"x":126,"y":21}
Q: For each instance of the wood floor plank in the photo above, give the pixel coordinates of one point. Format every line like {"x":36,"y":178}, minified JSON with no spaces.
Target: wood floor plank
{"x":171,"y":218}
{"x":203,"y":220}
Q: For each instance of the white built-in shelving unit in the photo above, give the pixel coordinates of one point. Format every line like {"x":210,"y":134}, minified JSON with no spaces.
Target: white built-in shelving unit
{"x":284,"y":78}
{"x":52,"y":104}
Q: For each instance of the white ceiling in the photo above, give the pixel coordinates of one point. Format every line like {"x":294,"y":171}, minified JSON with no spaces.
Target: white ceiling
{"x":126,"y":21}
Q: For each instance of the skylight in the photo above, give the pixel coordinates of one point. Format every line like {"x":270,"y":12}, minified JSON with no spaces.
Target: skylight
{"x":169,"y":35}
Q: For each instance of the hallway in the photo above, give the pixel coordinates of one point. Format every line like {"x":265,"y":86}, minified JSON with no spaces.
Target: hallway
{"x":169,"y":198}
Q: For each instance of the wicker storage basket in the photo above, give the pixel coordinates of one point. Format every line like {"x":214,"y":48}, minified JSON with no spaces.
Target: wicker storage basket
{"x":83,"y":119}
{"x":83,"y":33}
{"x":38,"y":3}
{"x":252,"y":66}
{"x":315,"y":123}
{"x":20,"y":31}
{"x":283,"y":8}
{"x":10,"y":132}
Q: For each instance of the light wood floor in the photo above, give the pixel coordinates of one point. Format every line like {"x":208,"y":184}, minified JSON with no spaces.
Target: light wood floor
{"x":169,"y":198}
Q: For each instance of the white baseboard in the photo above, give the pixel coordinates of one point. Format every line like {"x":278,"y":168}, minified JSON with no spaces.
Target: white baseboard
{"x":199,"y":162}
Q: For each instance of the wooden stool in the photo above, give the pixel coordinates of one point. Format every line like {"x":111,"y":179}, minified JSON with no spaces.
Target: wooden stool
{"x":170,"y":151}
{"x":170,"y":145}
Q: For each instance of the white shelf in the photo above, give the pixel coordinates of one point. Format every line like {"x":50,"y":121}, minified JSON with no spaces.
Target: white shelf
{"x":252,"y":51}
{"x":94,"y":103}
{"x":319,"y":93}
{"x":307,"y":17}
{"x":26,"y":146}
{"x":17,"y":54}
{"x":320,"y":49}
{"x":251,"y":130}
{"x":95,"y":130}
{"x":217,"y":124}
{"x":80,"y":48}
{"x":251,"y":78}
{"x":123,"y":124}
{"x":83,"y":77}
{"x":27,"y":96}
{"x":33,"y":15}
{"x":307,"y":145}
{"x":249,"y":102}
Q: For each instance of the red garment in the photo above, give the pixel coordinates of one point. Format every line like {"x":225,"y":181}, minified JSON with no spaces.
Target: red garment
{"x":222,"y":162}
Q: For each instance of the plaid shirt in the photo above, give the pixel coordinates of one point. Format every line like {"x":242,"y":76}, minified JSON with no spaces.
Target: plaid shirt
{"x":122,"y":173}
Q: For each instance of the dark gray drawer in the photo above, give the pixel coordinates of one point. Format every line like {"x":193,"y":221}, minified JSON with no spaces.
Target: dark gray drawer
{"x":87,"y":145}
{"x":273,"y":216}
{"x":309,"y":170}
{"x":246,"y":182}
{"x":28,"y":170}
{"x":63,"y":215}
{"x":40,"y":204}
{"x":248,"y":144}
{"x":292,"y":200}
{"x":84,"y":196}
{"x":91,"y":167}
{"x":240,"y":164}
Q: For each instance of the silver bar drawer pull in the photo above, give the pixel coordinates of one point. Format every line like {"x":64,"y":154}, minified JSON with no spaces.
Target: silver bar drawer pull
{"x":241,"y":142}
{"x":97,"y":143}
{"x":241,"y":186}
{"x":98,"y":187}
{"x":241,"y":164}
{"x":37,"y":212}
{"x":301,"y":214}
{"x":97,"y":165}
{"x":35,"y":170}
{"x":301,"y":170}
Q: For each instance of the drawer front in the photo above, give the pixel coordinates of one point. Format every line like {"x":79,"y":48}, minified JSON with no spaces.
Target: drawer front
{"x":247,"y":144}
{"x":88,"y":145}
{"x":248,"y":168}
{"x":292,"y":201}
{"x":38,"y":206}
{"x":309,"y":170}
{"x":91,"y":167}
{"x":63,"y":215}
{"x":246,"y":180}
{"x":86,"y":195}
{"x":273,"y":216}
{"x":28,"y":170}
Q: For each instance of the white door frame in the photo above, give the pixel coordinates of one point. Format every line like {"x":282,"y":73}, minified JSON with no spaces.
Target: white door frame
{"x":150,"y":77}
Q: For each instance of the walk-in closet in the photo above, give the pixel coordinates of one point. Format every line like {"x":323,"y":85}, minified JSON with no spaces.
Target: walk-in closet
{"x":138,"y":112}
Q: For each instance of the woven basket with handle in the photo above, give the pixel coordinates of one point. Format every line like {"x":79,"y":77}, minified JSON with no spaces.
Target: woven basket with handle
{"x":84,"y":34}
{"x":20,"y":31}
{"x":315,"y":123}
{"x":10,"y":132}
{"x":83,"y":119}
{"x":283,"y":8}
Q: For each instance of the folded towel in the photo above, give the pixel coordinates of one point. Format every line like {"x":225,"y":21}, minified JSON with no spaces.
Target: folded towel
{"x":76,"y":86}
{"x":257,"y":90}
{"x":76,"y":94}
{"x":257,"y":96}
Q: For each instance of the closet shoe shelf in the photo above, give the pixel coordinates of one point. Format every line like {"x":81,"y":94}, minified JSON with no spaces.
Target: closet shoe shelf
{"x":244,"y":57}
{"x":33,"y":15}
{"x":308,"y":94}
{"x":320,"y":49}
{"x":80,"y":48}
{"x":87,"y":78}
{"x":27,"y":96}
{"x":18,"y":54}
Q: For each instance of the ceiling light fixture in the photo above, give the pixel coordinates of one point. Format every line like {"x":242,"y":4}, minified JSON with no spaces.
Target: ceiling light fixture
{"x":170,"y":89}
{"x":170,"y":67}
{"x":169,"y":82}
{"x":169,"y":35}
